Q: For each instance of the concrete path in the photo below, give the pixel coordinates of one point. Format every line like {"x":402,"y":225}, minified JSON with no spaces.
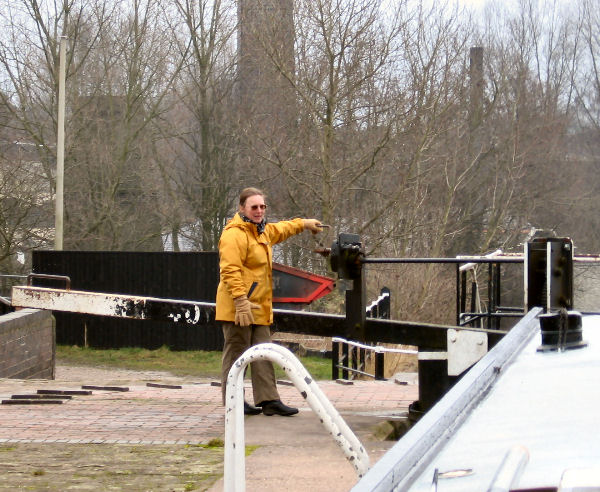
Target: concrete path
{"x":295,"y":453}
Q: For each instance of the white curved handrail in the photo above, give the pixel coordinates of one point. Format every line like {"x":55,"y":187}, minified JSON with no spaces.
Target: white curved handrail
{"x":235,"y":473}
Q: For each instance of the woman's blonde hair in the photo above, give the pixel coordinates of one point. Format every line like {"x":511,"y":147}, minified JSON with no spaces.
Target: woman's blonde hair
{"x":248,"y":192}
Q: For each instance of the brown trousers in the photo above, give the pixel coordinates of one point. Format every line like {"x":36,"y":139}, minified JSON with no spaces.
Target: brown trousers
{"x":237,"y":340}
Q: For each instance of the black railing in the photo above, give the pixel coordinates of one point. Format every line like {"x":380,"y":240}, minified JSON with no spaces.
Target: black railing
{"x":381,"y":307}
{"x":494,"y":311}
{"x":472,"y":317}
{"x":350,"y":358}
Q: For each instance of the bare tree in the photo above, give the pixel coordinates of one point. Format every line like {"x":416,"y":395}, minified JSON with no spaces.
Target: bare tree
{"x":29,"y":39}
{"x":339,"y":109}
{"x":200,"y":143}
{"x":119,"y":69}
{"x":529,"y":68}
{"x":113,"y":181}
{"x":367,"y":116}
{"x":24,"y":204}
{"x":29,"y":62}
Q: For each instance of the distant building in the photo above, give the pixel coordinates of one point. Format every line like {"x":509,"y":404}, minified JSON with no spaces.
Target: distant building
{"x":107,"y":206}
{"x":266,"y":60}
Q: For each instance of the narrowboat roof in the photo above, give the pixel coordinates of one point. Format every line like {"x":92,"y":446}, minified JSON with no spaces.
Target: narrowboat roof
{"x":547,"y":402}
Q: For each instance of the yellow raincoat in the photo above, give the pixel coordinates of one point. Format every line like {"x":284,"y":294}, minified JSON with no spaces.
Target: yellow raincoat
{"x":246,"y":257}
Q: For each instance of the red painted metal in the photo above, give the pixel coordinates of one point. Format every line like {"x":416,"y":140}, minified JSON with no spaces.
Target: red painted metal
{"x":293,"y":285}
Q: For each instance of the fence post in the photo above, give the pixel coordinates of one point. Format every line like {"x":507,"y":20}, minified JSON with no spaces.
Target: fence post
{"x":379,"y":365}
{"x":356,"y":309}
{"x":385,"y":306}
{"x":463,"y":294}
{"x":354,"y":365}
{"x":458,"y":294}
{"x":335,"y":360}
{"x":497,"y":298}
{"x":490,"y":296}
{"x":362,"y":359}
{"x":344,"y":360}
{"x":474,"y":293}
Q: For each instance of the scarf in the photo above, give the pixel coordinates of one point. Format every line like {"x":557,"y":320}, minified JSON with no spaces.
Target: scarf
{"x":260,"y":228}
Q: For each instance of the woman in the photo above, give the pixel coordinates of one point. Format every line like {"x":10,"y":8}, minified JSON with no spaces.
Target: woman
{"x":245,"y":293}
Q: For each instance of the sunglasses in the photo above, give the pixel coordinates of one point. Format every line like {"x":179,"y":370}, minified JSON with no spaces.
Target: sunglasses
{"x":256,"y":207}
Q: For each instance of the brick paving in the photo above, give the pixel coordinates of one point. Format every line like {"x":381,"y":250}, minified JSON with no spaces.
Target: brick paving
{"x":152,"y":415}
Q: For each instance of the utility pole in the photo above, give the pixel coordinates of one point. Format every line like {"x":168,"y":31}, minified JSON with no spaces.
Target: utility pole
{"x":60,"y":148}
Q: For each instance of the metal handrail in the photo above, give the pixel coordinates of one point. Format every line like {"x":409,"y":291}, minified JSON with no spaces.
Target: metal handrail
{"x":343,"y":362}
{"x":376,"y":348}
{"x":459,"y":260}
{"x":43,"y":276}
{"x":234,"y":466}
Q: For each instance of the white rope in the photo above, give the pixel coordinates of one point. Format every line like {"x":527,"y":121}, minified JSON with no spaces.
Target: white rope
{"x":375,"y":348}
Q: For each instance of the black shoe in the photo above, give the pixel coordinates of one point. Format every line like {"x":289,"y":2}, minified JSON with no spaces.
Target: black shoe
{"x":250,"y":410}
{"x":275,"y":407}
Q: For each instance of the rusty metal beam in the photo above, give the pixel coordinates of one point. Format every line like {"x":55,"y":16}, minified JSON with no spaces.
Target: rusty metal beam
{"x":122,"y":306}
{"x":203,"y":313}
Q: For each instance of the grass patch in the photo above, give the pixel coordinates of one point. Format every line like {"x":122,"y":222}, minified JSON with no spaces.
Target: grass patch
{"x":215,"y":443}
{"x":250,"y":450}
{"x":188,"y":363}
{"x":318,"y":367}
{"x":110,"y":467}
{"x":198,"y":363}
